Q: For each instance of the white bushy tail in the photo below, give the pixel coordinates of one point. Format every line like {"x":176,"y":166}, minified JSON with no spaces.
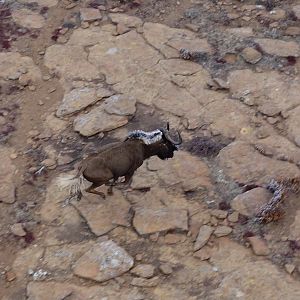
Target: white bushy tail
{"x":74,"y":183}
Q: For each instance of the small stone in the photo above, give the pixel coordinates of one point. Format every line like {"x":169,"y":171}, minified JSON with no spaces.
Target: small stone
{"x":122,"y":28}
{"x":139,"y":257}
{"x":33,"y":133}
{"x":250,"y":202}
{"x":10,"y":276}
{"x":51,"y":90}
{"x":85,"y":25}
{"x":46,"y":77}
{"x":71,"y":5}
{"x":13,"y":156}
{"x":40,"y":102}
{"x":296,"y":11}
{"x":251,"y":55}
{"x":147,"y":220}
{"x":64,"y":30}
{"x":222,"y":231}
{"x":192,"y":27}
{"x":166,"y":269}
{"x":2,"y":120}
{"x":142,"y":282}
{"x":218,"y":213}
{"x":259,"y":246}
{"x":234,"y":217}
{"x":202,"y":254}
{"x":90,"y":14}
{"x":279,"y":47}
{"x":17,"y":229}
{"x":143,"y":270}
{"x":32,"y":88}
{"x":290,"y":268}
{"x":104,"y":261}
{"x":172,"y":238}
{"x":48,"y":162}
{"x":293,"y":31}
{"x":246,"y":18}
{"x":203,"y":236}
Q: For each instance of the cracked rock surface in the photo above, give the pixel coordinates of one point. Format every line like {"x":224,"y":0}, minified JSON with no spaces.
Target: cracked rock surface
{"x":77,"y":75}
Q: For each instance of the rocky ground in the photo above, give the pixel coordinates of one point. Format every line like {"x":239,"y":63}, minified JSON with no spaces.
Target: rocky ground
{"x":75,"y":75}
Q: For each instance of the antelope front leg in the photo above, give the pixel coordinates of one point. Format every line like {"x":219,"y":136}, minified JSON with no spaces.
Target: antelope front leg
{"x":92,"y":190}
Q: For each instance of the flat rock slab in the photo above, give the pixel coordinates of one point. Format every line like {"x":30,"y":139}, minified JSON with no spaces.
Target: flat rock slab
{"x":245,"y":165}
{"x":54,"y":290}
{"x":28,"y":18}
{"x":279,"y":47}
{"x":203,"y":236}
{"x":79,"y":98}
{"x":104,"y":215}
{"x":90,"y":14}
{"x":120,"y":105}
{"x":147,"y":220}
{"x":70,"y":62}
{"x":104,"y":261}
{"x":7,"y":173}
{"x":250,"y":202}
{"x":272,"y":92}
{"x":14,"y":66}
{"x":97,"y":120}
{"x":47,"y":3}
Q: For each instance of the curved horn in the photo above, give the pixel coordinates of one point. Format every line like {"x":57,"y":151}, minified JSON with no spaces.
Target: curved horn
{"x":170,"y":139}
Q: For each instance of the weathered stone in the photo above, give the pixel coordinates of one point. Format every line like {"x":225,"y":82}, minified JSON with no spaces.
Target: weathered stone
{"x":250,"y":276}
{"x":222,"y":231}
{"x":27,"y":259}
{"x":271,"y":92}
{"x":237,"y":161}
{"x":80,"y":98}
{"x":166,"y":269}
{"x":296,"y":10}
{"x":12,"y":64}
{"x":90,"y":14}
{"x":241,"y":31}
{"x":277,"y":14}
{"x":54,"y":125}
{"x":295,"y":227}
{"x":202,"y":254}
{"x":104,"y":261}
{"x":279,"y":47}
{"x":259,"y":246}
{"x":170,"y":40}
{"x":90,"y":36}
{"x":67,"y":225}
{"x":218,"y":213}
{"x":203,"y":236}
{"x":293,"y":124}
{"x":61,"y":258}
{"x":143,"y":178}
{"x":120,"y":105}
{"x":147,"y":221}
{"x":184,"y":169}
{"x":62,"y":290}
{"x":250,"y":202}
{"x":97,"y":120}
{"x":142,"y":282}
{"x":290,"y":268}
{"x":143,"y":270}
{"x":251,"y":55}
{"x":173,"y":238}
{"x":17,"y":229}
{"x":7,"y":173}
{"x":234,"y":217}
{"x":103,"y":216}
{"x":28,"y":18}
{"x":124,"y":56}
{"x":228,"y":118}
{"x":10,"y":276}
{"x":293,"y":31}
{"x":70,"y":62}
{"x":122,"y":28}
{"x":47,"y":3}
{"x":129,"y":21}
